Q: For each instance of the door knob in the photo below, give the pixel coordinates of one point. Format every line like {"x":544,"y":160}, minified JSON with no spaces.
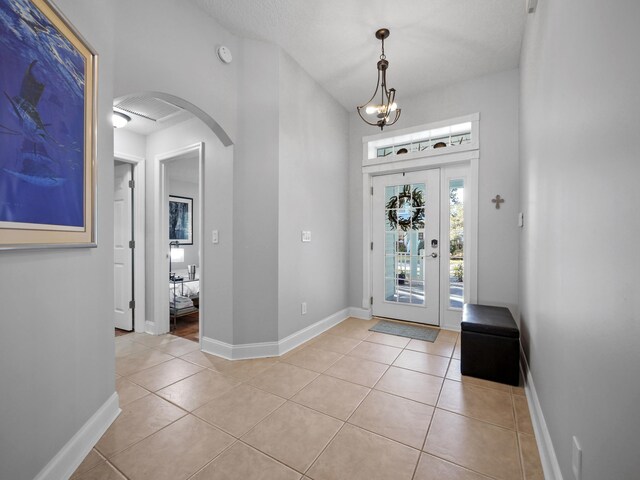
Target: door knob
{"x":433,"y":255}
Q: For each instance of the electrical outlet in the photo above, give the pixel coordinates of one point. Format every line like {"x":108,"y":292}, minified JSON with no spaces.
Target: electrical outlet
{"x":303,"y":310}
{"x":576,"y":459}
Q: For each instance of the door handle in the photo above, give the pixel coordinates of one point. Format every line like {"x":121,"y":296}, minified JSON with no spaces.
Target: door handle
{"x":433,"y":255}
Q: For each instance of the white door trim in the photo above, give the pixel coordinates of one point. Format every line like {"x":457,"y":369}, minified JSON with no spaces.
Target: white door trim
{"x":139,"y":265}
{"x":469,"y":158}
{"x":161,"y":276}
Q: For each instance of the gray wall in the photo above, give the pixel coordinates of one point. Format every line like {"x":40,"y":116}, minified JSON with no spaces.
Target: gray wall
{"x":57,"y":350}
{"x":580,"y":261}
{"x":255,"y":196}
{"x":216,"y":290}
{"x":313,"y":182}
{"x":496,"y":98}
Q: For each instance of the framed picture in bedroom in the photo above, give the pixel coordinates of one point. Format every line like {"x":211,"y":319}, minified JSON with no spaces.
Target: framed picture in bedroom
{"x":181,"y":220}
{"x":47,"y":129}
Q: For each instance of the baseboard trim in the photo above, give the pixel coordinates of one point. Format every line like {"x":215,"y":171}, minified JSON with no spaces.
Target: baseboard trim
{"x":306,"y":334}
{"x":274,"y":349}
{"x":72,"y":454}
{"x":362,"y":313}
{"x":149,"y":327}
{"x":548,"y":457}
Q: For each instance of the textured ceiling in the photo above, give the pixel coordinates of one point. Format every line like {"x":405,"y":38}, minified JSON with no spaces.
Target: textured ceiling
{"x":432,"y":42}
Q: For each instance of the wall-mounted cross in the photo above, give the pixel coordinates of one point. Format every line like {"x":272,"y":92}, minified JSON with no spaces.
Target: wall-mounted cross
{"x":498,"y":200}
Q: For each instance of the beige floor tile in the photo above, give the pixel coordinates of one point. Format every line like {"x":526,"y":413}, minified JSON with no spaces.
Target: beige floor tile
{"x":485,"y":404}
{"x":350,"y":330}
{"x":332,"y":396}
{"x":91,"y":460}
{"x":135,"y":362}
{"x":523,"y":417}
{"x":456,"y":352}
{"x":189,"y":443}
{"x":530,"y":457}
{"x":283,"y":379}
{"x":195,"y":391}
{"x":205,"y":359}
{"x":375,"y":352}
{"x":293,"y":351}
{"x":359,"y":323}
{"x":138,"y":420}
{"x":479,"y":446}
{"x":103,"y":471}
{"x":164,"y":374}
{"x":313,"y":359}
{"x":453,"y":373}
{"x":394,"y":417}
{"x":423,"y":362}
{"x":241,"y":462}
{"x":294,"y":435}
{"x":336,"y":344}
{"x":357,"y":370}
{"x":412,"y":385}
{"x":153,"y":340}
{"x":355,"y":454}
{"x":442,"y":349}
{"x":240,"y":409}
{"x":179,"y":347}
{"x":434,"y":468}
{"x":390,"y":340}
{"x":447,"y":336}
{"x":245,"y":369}
{"x":129,"y":391}
{"x":127,"y":348}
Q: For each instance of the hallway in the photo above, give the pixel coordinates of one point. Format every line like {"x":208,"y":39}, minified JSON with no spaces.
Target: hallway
{"x":349,"y":404}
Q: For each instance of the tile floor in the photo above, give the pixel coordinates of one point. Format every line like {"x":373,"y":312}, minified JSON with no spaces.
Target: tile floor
{"x":349,"y":404}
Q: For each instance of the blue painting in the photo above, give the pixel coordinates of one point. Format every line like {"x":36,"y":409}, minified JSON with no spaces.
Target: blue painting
{"x":181,"y":220}
{"x":42,"y":122}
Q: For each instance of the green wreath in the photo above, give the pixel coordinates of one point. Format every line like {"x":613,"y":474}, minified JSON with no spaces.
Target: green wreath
{"x":416,"y":220}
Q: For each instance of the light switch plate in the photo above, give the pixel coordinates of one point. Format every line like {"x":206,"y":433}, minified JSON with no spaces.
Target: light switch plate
{"x":214,"y":236}
{"x":306,"y":236}
{"x":521,"y":219}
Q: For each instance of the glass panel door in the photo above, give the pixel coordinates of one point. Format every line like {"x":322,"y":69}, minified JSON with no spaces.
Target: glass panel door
{"x":405,"y":247}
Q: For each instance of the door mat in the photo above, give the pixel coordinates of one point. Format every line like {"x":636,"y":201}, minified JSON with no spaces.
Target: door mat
{"x":405,"y":330}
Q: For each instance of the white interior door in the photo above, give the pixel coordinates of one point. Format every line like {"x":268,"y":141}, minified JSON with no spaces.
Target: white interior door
{"x":406,"y":250}
{"x":122,"y":253}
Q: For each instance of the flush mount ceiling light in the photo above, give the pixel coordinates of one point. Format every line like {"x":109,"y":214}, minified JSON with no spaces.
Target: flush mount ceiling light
{"x":386,"y":112}
{"x":119,"y":119}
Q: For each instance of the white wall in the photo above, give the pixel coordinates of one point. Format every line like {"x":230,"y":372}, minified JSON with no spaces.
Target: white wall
{"x":495,"y":97}
{"x":579,"y":266}
{"x":57,"y":349}
{"x":313,"y":182}
{"x":129,"y":143}
{"x":183,"y":179}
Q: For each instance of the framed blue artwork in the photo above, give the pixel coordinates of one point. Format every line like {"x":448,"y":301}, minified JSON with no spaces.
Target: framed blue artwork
{"x":47,"y":129}
{"x":181,"y":220}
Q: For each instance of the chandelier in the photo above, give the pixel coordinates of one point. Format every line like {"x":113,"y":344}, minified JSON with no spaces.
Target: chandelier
{"x":386,"y":112}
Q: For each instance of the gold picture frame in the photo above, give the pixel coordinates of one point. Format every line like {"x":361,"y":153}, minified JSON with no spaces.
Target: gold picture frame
{"x":47,"y":130}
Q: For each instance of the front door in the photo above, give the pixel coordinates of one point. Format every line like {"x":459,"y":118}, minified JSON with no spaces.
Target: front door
{"x":406,"y":232}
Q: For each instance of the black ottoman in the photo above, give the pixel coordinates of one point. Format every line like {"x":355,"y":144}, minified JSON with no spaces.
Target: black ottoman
{"x":490,"y":344}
